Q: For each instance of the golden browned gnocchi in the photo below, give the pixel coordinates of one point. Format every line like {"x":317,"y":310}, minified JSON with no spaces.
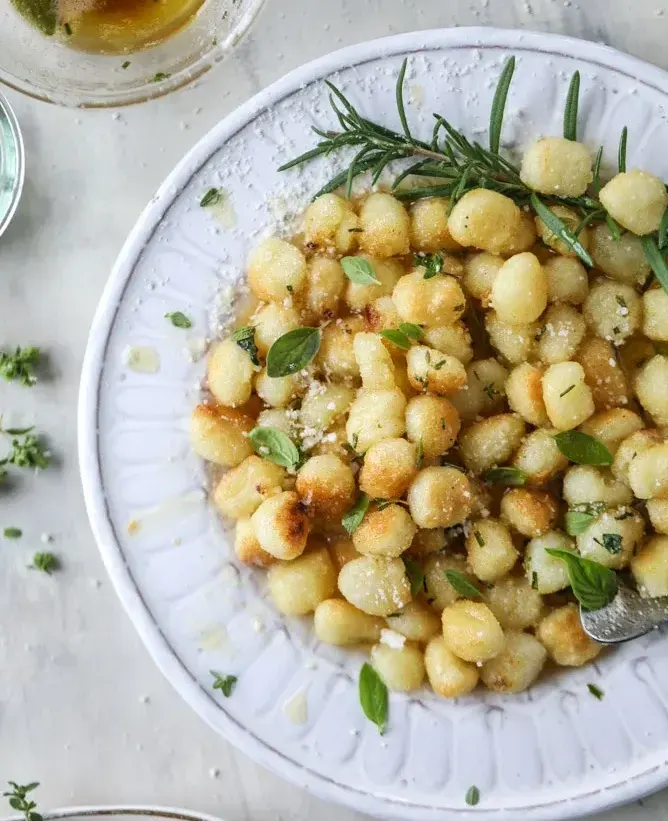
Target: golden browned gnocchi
{"x":388,"y":430}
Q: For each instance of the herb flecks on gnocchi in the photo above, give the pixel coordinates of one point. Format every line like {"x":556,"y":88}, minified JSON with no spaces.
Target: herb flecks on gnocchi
{"x":435,"y":412}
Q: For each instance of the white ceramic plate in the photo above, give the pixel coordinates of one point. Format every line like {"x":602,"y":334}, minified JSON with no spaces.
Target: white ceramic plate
{"x":121,"y":813}
{"x":554,"y":752}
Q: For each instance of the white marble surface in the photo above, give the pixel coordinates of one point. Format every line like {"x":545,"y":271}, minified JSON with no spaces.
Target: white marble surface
{"x":82,"y":707}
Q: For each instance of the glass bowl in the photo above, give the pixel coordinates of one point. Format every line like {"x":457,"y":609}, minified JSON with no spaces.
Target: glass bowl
{"x":44,"y":68}
{"x":12,"y":165}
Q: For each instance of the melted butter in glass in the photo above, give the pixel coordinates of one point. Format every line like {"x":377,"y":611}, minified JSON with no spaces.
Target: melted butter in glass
{"x":108,"y":26}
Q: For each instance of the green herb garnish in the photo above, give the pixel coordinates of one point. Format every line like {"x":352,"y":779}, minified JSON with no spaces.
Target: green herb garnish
{"x":20,"y":365}
{"x":19,"y":801}
{"x":571,"y":109}
{"x":45,"y":562}
{"x":582,"y":449}
{"x":293,"y":351}
{"x":179,"y":319}
{"x":125,"y":64}
{"x":432,"y":264}
{"x":415,"y":575}
{"x":276,"y":446}
{"x":420,"y":454}
{"x":12,"y":533}
{"x":398,"y":338}
{"x":595,"y":691}
{"x":353,"y":518}
{"x":593,"y":585}
{"x":359,"y":271}
{"x":472,"y":796}
{"x":160,"y":75}
{"x":512,"y":477}
{"x":462,"y":585}
{"x":412,"y":331}
{"x":373,"y":697}
{"x":245,"y":339}
{"x":225,"y":684}
{"x":212,"y":197}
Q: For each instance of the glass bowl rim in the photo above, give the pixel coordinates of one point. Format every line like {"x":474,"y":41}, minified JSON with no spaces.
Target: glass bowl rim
{"x":148,"y":91}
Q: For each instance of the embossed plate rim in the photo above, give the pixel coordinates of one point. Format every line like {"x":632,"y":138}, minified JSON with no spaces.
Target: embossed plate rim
{"x":598,"y":56}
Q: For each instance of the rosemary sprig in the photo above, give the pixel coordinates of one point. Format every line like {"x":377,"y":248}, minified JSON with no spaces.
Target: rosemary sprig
{"x":455,"y":165}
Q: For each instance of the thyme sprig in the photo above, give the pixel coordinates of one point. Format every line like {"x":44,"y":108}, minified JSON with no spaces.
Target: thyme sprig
{"x":455,"y":165}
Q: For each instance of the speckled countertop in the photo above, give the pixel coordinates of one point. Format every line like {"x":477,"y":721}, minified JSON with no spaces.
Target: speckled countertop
{"x":83,"y":709}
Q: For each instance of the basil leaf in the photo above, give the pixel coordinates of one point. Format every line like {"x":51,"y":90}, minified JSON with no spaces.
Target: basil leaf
{"x":656,"y":260}
{"x":412,"y":331}
{"x":179,"y":319}
{"x":511,"y":477}
{"x":397,"y":338}
{"x":577,"y":522}
{"x":359,"y":271}
{"x":293,"y":351}
{"x":353,"y":518}
{"x":593,"y":585}
{"x":415,"y":575}
{"x":373,"y":697}
{"x":272,"y":444}
{"x":557,"y":227}
{"x":472,"y":796}
{"x":595,"y":691}
{"x":213,"y":196}
{"x":582,"y":449}
{"x":462,"y":585}
{"x":245,"y":339}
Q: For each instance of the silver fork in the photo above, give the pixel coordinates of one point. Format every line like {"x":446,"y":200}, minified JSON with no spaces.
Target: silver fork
{"x":626,"y":617}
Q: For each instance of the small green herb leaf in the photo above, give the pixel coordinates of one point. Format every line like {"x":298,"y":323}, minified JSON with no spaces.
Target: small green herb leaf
{"x":212,"y":197}
{"x":179,"y":320}
{"x":499,"y":105}
{"x":159,"y":76}
{"x":46,"y":562}
{"x":20,"y":365}
{"x":571,"y":108}
{"x":462,"y":585}
{"x":656,"y":260}
{"x":420,"y":453}
{"x":397,"y":338}
{"x":432,"y":264}
{"x":593,"y":585}
{"x":509,"y":476}
{"x":19,"y":801}
{"x":353,"y":518}
{"x":595,"y":691}
{"x":126,"y":64}
{"x":412,"y":331}
{"x":596,"y":184}
{"x":621,"y":153}
{"x":293,"y":351}
{"x":359,"y":271}
{"x":577,"y":522}
{"x":557,"y":227}
{"x":274,"y":445}
{"x":612,"y":542}
{"x":472,"y":796}
{"x":582,"y":449}
{"x":613,"y":228}
{"x":415,"y":575}
{"x":12,"y":533}
{"x":373,"y":697}
{"x":225,"y":684}
{"x":245,"y":339}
